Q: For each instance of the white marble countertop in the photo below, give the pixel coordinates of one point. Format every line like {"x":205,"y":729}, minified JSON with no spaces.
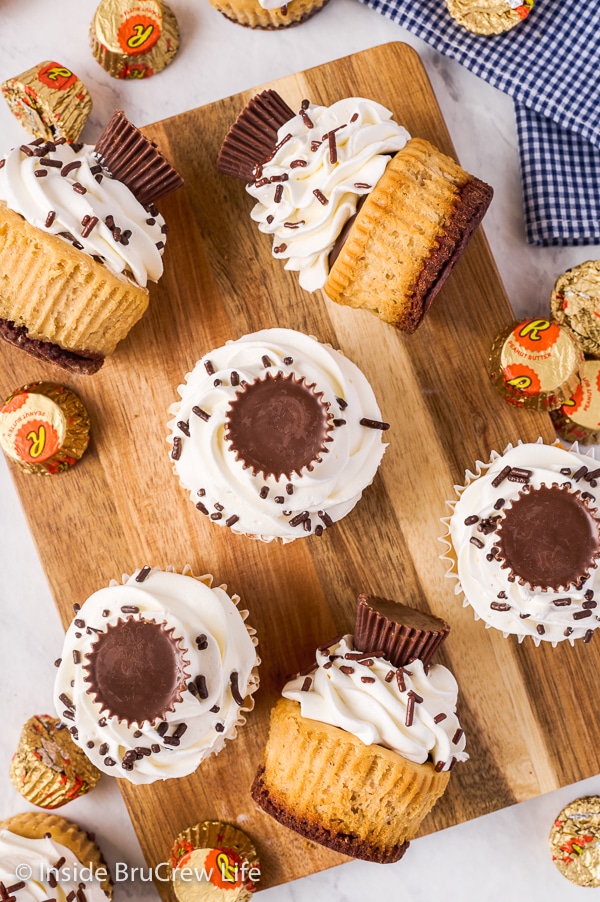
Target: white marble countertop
{"x":497,"y":856}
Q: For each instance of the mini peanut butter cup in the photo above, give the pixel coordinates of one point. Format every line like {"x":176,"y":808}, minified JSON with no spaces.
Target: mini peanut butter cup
{"x":548,"y":538}
{"x":134,"y":160}
{"x":278,"y":425}
{"x":136,"y":670}
{"x":401,"y":632}
{"x":252,"y":138}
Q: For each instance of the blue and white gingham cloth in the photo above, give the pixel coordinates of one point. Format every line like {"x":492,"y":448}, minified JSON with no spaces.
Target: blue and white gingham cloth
{"x":550,"y":65}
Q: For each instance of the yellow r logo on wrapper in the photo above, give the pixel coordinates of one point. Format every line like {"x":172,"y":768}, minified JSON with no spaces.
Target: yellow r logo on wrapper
{"x":140,"y":36}
{"x":138,"y":33}
{"x":226,"y":868}
{"x":38,"y":441}
{"x":539,"y":333}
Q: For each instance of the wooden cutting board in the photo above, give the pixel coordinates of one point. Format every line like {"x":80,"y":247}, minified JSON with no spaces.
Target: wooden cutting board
{"x":530,"y":714}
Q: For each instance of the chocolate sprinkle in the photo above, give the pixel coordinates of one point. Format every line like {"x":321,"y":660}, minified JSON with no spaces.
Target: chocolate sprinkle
{"x":202,"y":507}
{"x":439,"y":766}
{"x":180,"y":730}
{"x":588,"y":635}
{"x":130,"y":609}
{"x":561,"y":602}
{"x":473,"y":518}
{"x":306,"y":684}
{"x":76,"y":656}
{"x":374,"y":424}
{"x":410,"y":710}
{"x":568,"y":631}
{"x":50,"y":218}
{"x":219,"y":727}
{"x":235,"y":378}
{"x":64,"y":698}
{"x":541,"y":629}
{"x":58,"y":662}
{"x":235,"y":691}
{"x":499,"y":606}
{"x":278,"y":194}
{"x":176,"y":452}
{"x":439,"y":717}
{"x":266,"y":361}
{"x":475,"y":541}
{"x":325,"y":518}
{"x":231,"y":520}
{"x":171,"y":740}
{"x":318,"y":530}
{"x":144,"y":572}
{"x":103,"y":748}
{"x":295,"y":164}
{"x":201,"y":413}
{"x":209,"y":367}
{"x":69,"y":167}
{"x":201,"y":642}
{"x":588,"y":594}
{"x":201,"y":686}
{"x":389,"y":676}
{"x":457,"y":736}
{"x":264,"y":491}
{"x":581,"y":615}
{"x":580,"y":472}
{"x":217,"y":516}
{"x":162,"y":728}
{"x":500,"y":477}
{"x":40,"y":173}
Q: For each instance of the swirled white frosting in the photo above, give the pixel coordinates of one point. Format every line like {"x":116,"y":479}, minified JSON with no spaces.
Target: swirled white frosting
{"x":137,"y":255}
{"x":220,"y":484}
{"x":304,"y":227}
{"x":18,"y":853}
{"x":484,"y":582}
{"x":360,"y":700}
{"x":193,"y":609}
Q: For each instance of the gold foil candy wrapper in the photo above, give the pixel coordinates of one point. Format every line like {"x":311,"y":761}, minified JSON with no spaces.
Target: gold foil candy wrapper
{"x":223,"y":854}
{"x":488,"y":16}
{"x":134,"y":39}
{"x":578,"y":420}
{"x":575,"y":841}
{"x":575,"y":302}
{"x":44,"y":428}
{"x":49,"y":101}
{"x":48,"y":769}
{"x":534,"y":364}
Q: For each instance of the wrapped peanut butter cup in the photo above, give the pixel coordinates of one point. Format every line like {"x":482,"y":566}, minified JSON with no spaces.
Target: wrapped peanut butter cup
{"x":575,"y":841}
{"x":401,"y":632}
{"x":534,"y":364}
{"x":44,"y":428}
{"x":49,"y":100}
{"x":48,"y":769}
{"x":252,"y":139}
{"x":134,"y":39}
{"x":578,"y":420}
{"x":213,"y":860}
{"x":132,"y":159}
{"x":575,"y":302}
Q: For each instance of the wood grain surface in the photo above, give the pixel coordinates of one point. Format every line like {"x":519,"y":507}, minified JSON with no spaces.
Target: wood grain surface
{"x":529,"y":713}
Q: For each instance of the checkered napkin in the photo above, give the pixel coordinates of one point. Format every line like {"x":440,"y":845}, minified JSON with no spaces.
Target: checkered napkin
{"x":550,"y":65}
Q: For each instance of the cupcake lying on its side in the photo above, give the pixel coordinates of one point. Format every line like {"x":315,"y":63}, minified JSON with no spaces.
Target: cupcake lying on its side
{"x":524,"y":543}
{"x":79,"y":239}
{"x":374,"y":217}
{"x":56,"y":852}
{"x":156,"y":674}
{"x":361,"y":747}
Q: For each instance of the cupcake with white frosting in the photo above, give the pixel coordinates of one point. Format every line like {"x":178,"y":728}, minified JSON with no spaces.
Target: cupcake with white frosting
{"x":524,"y":542}
{"x":375,"y":218}
{"x":44,"y":856}
{"x":156,"y":674}
{"x":276,"y":435}
{"x":361,"y":746}
{"x":80,"y":238}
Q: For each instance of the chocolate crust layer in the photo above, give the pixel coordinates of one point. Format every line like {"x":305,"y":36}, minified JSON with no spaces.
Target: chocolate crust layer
{"x":475,"y":197}
{"x":345,"y":843}
{"x":45,"y":350}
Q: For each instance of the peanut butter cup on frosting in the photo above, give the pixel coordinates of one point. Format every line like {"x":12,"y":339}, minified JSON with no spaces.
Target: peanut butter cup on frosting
{"x":548,"y":538}
{"x":137,"y":670}
{"x":401,"y":632}
{"x":252,"y":138}
{"x":278,"y":425}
